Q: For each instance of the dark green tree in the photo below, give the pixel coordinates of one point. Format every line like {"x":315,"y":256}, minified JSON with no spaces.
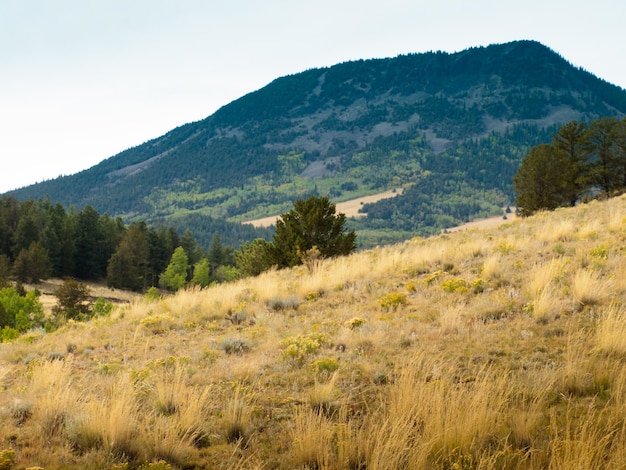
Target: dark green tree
{"x":32,"y":265}
{"x":90,"y":245}
{"x":573,"y":139}
{"x":313,"y":222}
{"x":541,"y":182}
{"x":215,"y":254}
{"x":219,"y":255}
{"x":171,"y":240}
{"x":112,"y":230}
{"x":191,"y":247}
{"x":5,"y":270}
{"x":128,"y":267}
{"x":58,"y":239}
{"x":621,"y":149}
{"x":27,"y":232}
{"x":9,"y":217}
{"x":604,"y":137}
{"x":73,"y":300}
{"x":160,"y":253}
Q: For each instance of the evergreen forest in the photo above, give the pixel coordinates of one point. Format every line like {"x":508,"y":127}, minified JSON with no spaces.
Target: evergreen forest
{"x":39,"y":240}
{"x":449,"y":129}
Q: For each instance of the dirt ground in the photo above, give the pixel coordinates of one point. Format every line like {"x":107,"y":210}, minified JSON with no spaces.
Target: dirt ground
{"x":491,"y":222}
{"x":350,"y":208}
{"x":49,"y":286}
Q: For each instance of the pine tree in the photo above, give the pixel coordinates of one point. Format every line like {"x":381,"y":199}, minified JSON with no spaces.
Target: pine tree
{"x":252,"y":258}
{"x":32,"y":265}
{"x":312,"y":222}
{"x":573,"y":139}
{"x":604,"y":137}
{"x":541,"y":182}
{"x":128,"y":267}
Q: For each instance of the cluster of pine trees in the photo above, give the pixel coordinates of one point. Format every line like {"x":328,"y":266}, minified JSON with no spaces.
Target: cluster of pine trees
{"x":582,"y":161}
{"x":39,"y":240}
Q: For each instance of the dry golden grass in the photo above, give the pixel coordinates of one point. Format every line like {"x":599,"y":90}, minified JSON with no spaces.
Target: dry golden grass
{"x":590,"y":288}
{"x":477,"y":349}
{"x":561,"y":231}
{"x":611,"y":331}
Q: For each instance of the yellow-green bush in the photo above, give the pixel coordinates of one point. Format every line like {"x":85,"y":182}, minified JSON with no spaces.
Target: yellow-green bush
{"x":355,"y":322}
{"x":600,"y":252}
{"x":297,"y":348}
{"x":455,"y":284}
{"x":392,"y":300}
{"x":6,"y":459}
{"x":158,"y":324}
{"x":432,"y":277}
{"x":326,"y":364}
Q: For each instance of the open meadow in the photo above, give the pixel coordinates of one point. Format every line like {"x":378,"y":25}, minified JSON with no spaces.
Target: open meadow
{"x":349,"y":208}
{"x":494,"y":348}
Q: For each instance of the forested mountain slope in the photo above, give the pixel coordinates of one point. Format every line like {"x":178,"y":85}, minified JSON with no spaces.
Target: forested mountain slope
{"x":450,"y":128}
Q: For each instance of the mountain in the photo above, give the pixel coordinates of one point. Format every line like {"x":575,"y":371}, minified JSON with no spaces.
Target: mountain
{"x":450,"y":128}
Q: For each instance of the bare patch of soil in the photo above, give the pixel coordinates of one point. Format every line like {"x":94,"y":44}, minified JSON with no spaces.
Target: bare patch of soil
{"x":350,"y":208}
{"x":482,"y":224}
{"x":49,"y":286}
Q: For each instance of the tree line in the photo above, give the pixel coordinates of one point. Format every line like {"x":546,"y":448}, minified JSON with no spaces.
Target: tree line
{"x":39,"y":239}
{"x":582,"y":161}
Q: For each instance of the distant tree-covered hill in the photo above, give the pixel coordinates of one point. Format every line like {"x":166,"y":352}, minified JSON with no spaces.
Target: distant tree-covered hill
{"x":451,"y":129}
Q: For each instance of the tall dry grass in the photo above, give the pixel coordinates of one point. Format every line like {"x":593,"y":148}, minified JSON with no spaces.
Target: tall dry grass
{"x":590,"y":288}
{"x":519,"y":367}
{"x":611,"y":331}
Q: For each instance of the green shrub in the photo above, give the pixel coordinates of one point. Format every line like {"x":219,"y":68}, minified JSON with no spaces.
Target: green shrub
{"x":102,"y":307}
{"x":73,"y":300}
{"x":8,"y":334}
{"x":152,"y":294}
{"x":505,"y":248}
{"x":20,"y":310}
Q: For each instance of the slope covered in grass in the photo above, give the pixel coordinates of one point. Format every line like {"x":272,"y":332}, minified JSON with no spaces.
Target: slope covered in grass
{"x":478,"y":349}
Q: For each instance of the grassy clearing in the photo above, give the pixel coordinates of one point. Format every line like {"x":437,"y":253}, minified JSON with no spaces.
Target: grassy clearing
{"x":478,"y":349}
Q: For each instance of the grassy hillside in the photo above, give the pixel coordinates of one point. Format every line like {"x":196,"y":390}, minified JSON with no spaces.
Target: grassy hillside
{"x":478,"y":349}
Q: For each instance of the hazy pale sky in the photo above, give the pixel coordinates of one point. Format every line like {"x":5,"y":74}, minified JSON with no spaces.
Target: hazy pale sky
{"x":82,"y":80}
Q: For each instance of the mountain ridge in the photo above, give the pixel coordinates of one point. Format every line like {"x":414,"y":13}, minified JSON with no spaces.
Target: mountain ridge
{"x":365,"y":125}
